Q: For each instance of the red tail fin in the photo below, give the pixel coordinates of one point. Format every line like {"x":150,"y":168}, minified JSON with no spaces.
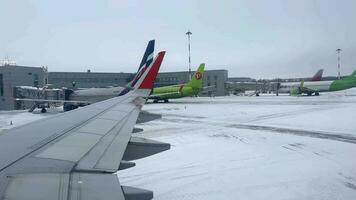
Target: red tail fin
{"x":147,"y":79}
{"x":318,"y":75}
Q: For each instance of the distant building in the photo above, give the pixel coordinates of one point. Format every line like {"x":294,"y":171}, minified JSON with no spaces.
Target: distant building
{"x":215,"y":78}
{"x":12,"y":76}
{"x":241,"y":79}
{"x":236,"y":85}
{"x":88,"y":79}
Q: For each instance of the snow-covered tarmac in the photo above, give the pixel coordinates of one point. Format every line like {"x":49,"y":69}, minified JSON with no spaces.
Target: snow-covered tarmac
{"x":263,"y":147}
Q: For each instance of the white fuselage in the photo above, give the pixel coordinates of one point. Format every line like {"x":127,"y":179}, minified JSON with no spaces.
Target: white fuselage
{"x":93,"y":95}
{"x":287,"y":87}
{"x":319,"y":86}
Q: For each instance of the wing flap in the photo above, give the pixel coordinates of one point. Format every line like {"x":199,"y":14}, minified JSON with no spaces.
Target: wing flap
{"x":71,"y":148}
{"x":126,"y":164}
{"x":140,"y":147}
{"x":99,"y":126}
{"x":33,"y":185}
{"x":107,"y":153}
{"x":86,"y":186}
{"x":110,"y":160}
{"x":75,"y":186}
{"x":132,"y":193}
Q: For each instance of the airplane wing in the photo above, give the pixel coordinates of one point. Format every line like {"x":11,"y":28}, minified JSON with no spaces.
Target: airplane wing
{"x":74,"y":155}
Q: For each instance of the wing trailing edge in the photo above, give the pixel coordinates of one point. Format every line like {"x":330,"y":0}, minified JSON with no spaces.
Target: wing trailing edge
{"x":140,"y":148}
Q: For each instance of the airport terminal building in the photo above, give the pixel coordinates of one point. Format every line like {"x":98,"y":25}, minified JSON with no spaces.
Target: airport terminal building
{"x":12,"y":76}
{"x":215,"y":78}
{"x":88,"y":79}
{"x":216,"y":83}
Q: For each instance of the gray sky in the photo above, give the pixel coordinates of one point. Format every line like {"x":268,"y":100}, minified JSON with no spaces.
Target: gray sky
{"x":260,"y":39}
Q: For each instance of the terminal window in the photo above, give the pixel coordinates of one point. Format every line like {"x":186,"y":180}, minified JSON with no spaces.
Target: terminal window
{"x":1,"y":86}
{"x":35,"y":80}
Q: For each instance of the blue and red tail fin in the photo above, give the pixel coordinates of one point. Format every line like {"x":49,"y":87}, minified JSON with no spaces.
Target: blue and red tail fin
{"x":145,"y":62}
{"x":318,"y":75}
{"x":146,"y":81}
{"x":148,"y":56}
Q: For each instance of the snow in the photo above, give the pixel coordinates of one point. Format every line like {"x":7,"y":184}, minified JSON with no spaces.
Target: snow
{"x":11,"y":119}
{"x":212,"y":158}
{"x":240,"y":147}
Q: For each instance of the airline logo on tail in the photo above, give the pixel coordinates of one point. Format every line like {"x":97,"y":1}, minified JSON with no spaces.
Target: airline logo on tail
{"x":145,"y":62}
{"x":150,"y":74}
{"x":197,"y":81}
{"x":198,"y":75}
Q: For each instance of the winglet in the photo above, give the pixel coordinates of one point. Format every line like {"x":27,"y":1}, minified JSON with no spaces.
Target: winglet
{"x":146,"y":81}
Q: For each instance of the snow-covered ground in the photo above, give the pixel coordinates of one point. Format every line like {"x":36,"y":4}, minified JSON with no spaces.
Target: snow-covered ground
{"x":11,"y":119}
{"x":263,"y":147}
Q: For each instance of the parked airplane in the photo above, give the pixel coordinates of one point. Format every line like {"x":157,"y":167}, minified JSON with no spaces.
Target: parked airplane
{"x":287,"y":87}
{"x":82,"y":97}
{"x":75,"y":155}
{"x":315,"y":87}
{"x":192,"y":88}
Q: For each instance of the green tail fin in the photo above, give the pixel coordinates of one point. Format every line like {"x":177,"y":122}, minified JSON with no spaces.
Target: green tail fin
{"x":301,"y":84}
{"x":197,"y":78}
{"x":353,"y":74}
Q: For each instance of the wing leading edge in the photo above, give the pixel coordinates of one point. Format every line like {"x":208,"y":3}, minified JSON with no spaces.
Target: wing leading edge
{"x":73,"y":155}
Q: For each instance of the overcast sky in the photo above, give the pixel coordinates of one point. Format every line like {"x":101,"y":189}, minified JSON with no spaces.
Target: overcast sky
{"x":259,"y":39}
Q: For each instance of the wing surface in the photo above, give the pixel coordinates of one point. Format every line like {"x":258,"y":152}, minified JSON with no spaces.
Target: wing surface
{"x":73,"y":155}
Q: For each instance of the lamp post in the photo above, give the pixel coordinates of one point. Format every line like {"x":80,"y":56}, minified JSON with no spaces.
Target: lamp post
{"x":190,"y":71}
{"x":338,"y":62}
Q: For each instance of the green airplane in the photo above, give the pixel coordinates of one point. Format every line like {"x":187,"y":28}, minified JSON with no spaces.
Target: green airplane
{"x":192,"y":88}
{"x":315,"y":87}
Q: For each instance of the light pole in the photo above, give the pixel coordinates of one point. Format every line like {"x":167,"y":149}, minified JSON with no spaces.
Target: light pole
{"x":338,"y":62}
{"x":190,"y":71}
